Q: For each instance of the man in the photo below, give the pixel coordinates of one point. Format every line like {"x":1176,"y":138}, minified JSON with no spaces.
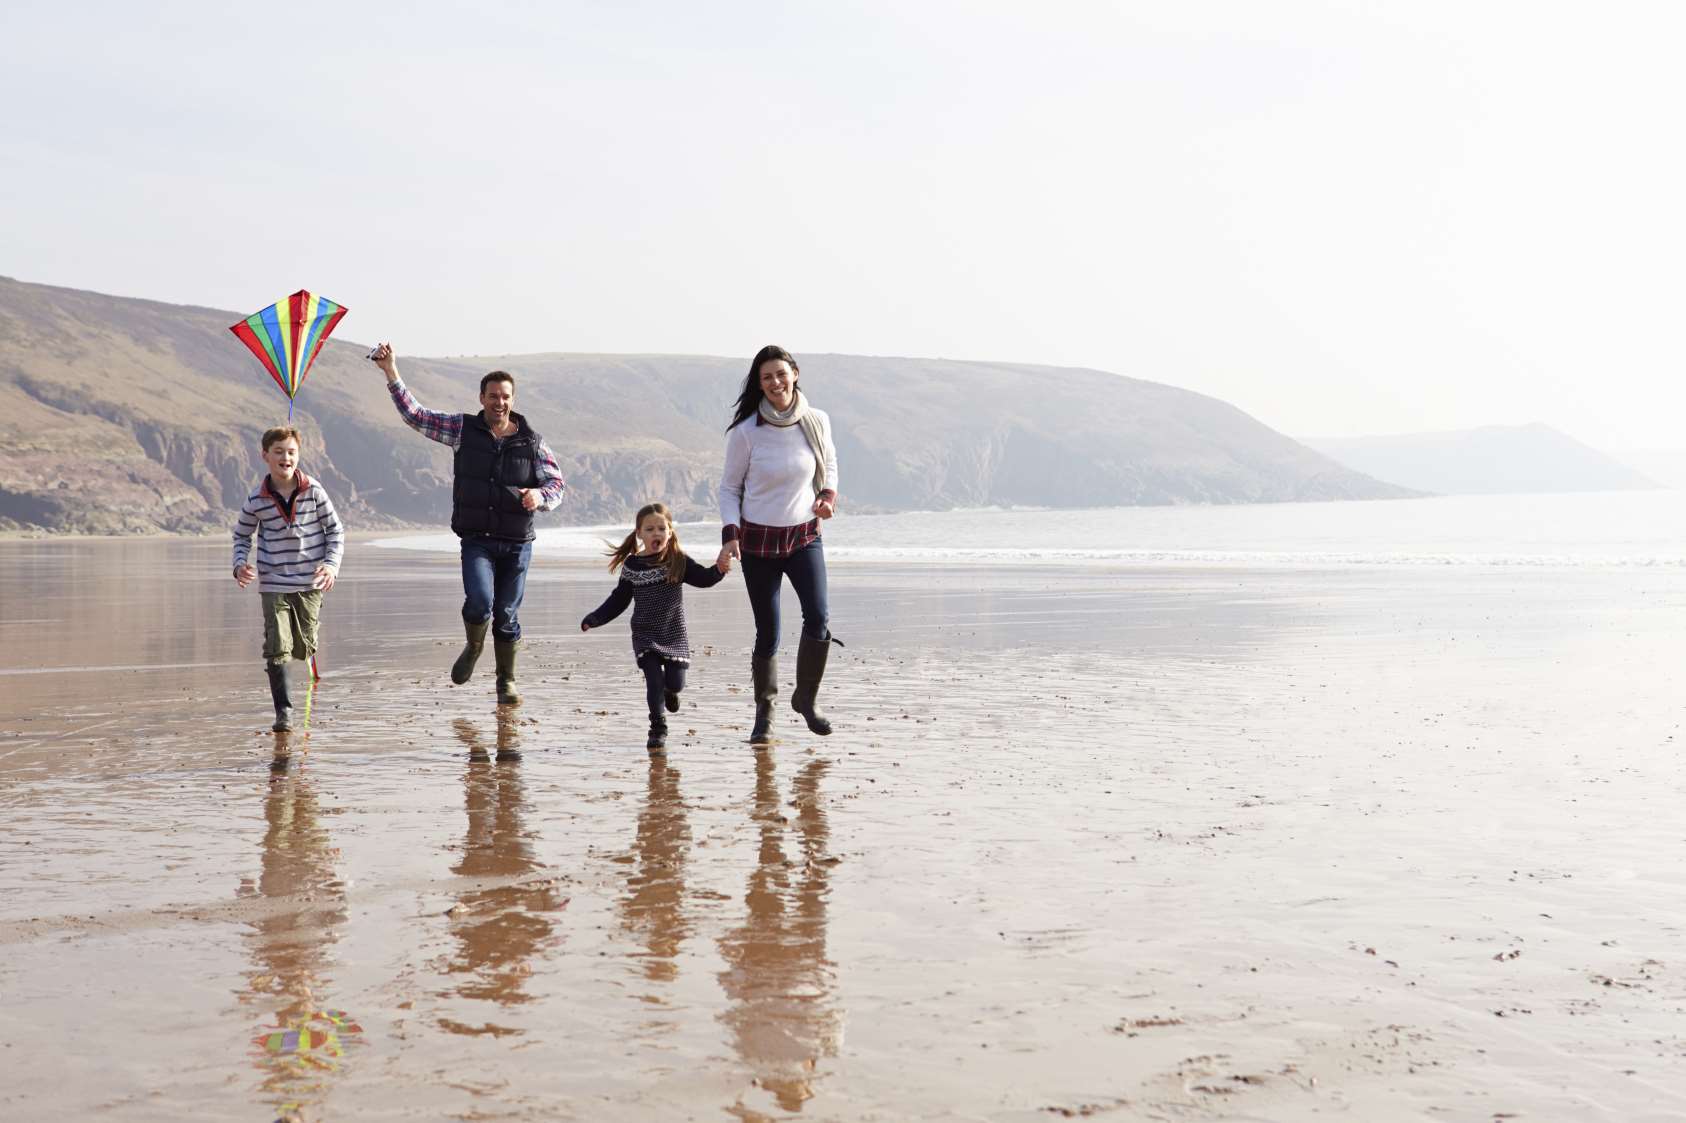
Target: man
{"x":503,"y":473}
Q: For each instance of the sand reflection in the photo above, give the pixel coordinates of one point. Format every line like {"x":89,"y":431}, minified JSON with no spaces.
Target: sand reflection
{"x":779,"y":980}
{"x":303,"y":907}
{"x":498,"y":928}
{"x":652,"y":907}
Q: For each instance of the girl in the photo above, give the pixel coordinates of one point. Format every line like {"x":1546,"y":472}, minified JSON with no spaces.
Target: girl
{"x":654,"y":571}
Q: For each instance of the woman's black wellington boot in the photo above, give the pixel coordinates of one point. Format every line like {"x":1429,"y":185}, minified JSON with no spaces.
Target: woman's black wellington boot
{"x":810,"y":669}
{"x":766,"y":675}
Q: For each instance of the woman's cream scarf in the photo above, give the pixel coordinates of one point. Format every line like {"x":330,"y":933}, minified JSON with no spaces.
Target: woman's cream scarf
{"x":800,"y":414}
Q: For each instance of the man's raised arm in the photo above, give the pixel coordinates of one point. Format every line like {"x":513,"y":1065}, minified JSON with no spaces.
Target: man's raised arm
{"x":446,"y":428}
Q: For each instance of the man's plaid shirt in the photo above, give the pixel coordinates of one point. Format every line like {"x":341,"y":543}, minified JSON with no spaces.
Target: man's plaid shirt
{"x":446,"y":428}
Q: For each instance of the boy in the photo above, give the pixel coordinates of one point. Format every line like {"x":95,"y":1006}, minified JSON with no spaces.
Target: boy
{"x":300,"y":542}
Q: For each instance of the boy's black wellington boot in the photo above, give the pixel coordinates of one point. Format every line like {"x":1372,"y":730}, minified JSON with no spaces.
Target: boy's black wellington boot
{"x":283,"y":702}
{"x":810,"y":669}
{"x":670,"y":698}
{"x":504,"y":651}
{"x":658,"y":734}
{"x":463,"y":669}
{"x":766,"y":675}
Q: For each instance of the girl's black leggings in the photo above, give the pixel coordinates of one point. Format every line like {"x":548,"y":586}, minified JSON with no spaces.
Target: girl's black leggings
{"x":660,"y":676}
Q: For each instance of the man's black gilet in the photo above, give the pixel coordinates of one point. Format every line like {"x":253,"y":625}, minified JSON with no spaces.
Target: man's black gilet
{"x":486,"y":468}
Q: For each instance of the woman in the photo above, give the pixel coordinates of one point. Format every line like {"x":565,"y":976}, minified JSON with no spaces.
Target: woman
{"x":780,"y":481}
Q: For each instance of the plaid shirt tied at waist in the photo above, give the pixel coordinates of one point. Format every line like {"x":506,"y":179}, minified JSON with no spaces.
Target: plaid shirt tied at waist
{"x":757,"y":541}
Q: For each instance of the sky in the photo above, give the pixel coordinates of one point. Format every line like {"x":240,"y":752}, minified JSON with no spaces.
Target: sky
{"x":1344,"y":218}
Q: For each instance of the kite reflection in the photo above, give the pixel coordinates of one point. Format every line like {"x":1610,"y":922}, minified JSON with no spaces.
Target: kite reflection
{"x":301,"y":907}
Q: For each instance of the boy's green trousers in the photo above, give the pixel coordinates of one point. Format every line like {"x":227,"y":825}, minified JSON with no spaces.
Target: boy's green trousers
{"x":289,"y":625}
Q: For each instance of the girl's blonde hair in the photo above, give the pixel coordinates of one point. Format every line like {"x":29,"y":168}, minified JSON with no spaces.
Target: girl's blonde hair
{"x":671,"y":556}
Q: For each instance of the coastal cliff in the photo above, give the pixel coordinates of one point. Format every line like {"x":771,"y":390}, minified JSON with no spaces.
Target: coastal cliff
{"x":121,"y":416}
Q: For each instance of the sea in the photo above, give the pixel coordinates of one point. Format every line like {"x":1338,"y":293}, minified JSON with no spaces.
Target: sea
{"x":1584,"y":530}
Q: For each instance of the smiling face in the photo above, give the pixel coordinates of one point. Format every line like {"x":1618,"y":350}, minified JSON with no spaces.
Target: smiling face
{"x":778,"y":383}
{"x":653,"y":533}
{"x":498,"y":400}
{"x":282,"y":456}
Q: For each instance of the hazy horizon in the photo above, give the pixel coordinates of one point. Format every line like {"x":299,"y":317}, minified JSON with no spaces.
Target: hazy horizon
{"x":1402,"y":218}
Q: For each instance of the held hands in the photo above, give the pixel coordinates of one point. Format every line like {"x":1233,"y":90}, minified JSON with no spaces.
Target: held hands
{"x":729,"y":553}
{"x":244,"y":575}
{"x":383,"y":357}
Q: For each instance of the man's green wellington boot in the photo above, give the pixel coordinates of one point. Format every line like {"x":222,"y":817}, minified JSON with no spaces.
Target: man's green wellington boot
{"x":463,"y":669}
{"x":504,"y":651}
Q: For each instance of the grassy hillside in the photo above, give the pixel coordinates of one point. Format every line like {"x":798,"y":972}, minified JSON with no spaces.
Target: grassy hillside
{"x":131,"y":416}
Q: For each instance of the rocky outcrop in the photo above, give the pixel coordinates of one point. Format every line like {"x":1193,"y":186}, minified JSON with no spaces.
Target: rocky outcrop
{"x":604,"y":487}
{"x":137,"y":474}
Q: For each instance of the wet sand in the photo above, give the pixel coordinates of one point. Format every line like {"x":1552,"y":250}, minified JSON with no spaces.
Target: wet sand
{"x":1202,"y":844}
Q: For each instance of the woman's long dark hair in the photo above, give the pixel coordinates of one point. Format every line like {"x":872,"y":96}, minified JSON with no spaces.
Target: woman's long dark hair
{"x":749,"y":402}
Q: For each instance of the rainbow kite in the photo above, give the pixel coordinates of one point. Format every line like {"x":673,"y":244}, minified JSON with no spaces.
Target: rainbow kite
{"x":287,"y":335}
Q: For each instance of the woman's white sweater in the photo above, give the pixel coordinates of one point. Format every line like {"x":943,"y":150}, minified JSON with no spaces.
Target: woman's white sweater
{"x":769,"y":476}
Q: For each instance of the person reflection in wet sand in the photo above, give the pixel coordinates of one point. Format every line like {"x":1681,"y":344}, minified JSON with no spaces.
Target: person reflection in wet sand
{"x":778,"y":977}
{"x":653,"y":906}
{"x":498,"y":928}
{"x":302,"y":905}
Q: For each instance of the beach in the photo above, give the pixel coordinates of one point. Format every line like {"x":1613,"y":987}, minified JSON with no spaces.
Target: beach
{"x":1160,"y":841}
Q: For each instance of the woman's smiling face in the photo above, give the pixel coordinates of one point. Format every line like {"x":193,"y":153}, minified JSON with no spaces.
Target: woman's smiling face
{"x":778,"y":383}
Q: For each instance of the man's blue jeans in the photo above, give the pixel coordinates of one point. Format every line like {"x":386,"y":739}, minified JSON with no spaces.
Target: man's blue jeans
{"x":763,"y":577}
{"x":494,"y":577}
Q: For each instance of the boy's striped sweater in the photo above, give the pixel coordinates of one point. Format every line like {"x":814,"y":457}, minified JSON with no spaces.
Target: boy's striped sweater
{"x":291,"y":543}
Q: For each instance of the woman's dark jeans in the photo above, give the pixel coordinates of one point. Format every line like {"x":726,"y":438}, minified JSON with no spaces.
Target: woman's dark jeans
{"x":660,"y":676}
{"x":806,"y":570}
